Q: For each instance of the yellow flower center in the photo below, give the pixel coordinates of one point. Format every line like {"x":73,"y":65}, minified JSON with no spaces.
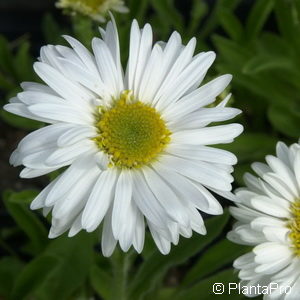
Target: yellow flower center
{"x":294,"y":225}
{"x":131,"y":133}
{"x":86,"y":7}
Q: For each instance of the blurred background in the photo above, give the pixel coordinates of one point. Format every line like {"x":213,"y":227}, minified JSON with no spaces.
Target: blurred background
{"x":255,"y":40}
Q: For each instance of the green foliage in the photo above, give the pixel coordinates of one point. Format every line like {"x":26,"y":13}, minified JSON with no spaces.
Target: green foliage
{"x":17,"y":206}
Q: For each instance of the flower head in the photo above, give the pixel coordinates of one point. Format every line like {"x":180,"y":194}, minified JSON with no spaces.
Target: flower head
{"x":137,"y":145}
{"x":269,"y":218}
{"x":95,"y":9}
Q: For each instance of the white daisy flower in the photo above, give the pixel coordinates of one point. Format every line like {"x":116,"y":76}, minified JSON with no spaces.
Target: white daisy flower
{"x":137,"y":146}
{"x":268,"y":215}
{"x":95,"y":9}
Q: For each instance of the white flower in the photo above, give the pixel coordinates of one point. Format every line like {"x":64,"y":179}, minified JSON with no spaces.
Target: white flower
{"x":137,"y":145}
{"x":95,"y":9}
{"x":269,"y":218}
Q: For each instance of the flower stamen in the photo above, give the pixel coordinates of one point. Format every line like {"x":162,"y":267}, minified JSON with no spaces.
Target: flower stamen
{"x":131,"y":133}
{"x":294,"y":225}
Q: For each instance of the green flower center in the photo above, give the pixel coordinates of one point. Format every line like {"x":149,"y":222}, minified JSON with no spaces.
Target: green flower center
{"x":131,"y":133}
{"x":294,"y":225}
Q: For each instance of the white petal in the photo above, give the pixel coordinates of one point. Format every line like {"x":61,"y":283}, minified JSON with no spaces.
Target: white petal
{"x":139,"y":235}
{"x":146,"y":201}
{"x":21,"y":109}
{"x":135,"y":39}
{"x":162,"y":244}
{"x":186,"y":190}
{"x":62,"y":113}
{"x":143,"y":57}
{"x":283,"y":172}
{"x":72,"y":203}
{"x":208,"y":135}
{"x":107,"y":67}
{"x":178,"y":66}
{"x":122,"y":201}
{"x":85,"y":56}
{"x":99,"y":200}
{"x":192,"y":74}
{"x":202,"y":153}
{"x":203,"y":117}
{"x":70,"y":153}
{"x":167,"y":198}
{"x":63,"y":86}
{"x":201,"y":172}
{"x":108,"y":242}
{"x":268,"y":206}
{"x":76,"y":134}
{"x":204,"y":95}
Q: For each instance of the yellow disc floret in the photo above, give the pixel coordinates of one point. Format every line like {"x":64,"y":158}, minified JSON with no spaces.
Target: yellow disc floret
{"x":96,"y":9}
{"x":131,"y":133}
{"x":294,"y":225}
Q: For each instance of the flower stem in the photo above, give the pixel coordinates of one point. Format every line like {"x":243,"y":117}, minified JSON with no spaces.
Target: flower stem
{"x":121,"y":263}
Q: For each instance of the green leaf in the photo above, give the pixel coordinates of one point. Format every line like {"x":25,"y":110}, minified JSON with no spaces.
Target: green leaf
{"x":232,"y":51}
{"x":231,"y":24}
{"x":251,"y":146}
{"x":138,"y":8}
{"x":16,"y":204}
{"x":51,"y":30}
{"x":261,"y":63}
{"x":23,"y":63}
{"x":214,"y":259}
{"x":205,"y":288}
{"x":10,"y":268}
{"x":168,"y":13}
{"x":213,"y":19}
{"x":274,"y":45}
{"x":101,"y":281}
{"x":23,"y":197}
{"x":33,"y":275}
{"x":198,"y":11}
{"x":285,"y":120}
{"x":6,"y":57}
{"x":6,"y":83}
{"x":288,"y":22}
{"x":76,"y":257}
{"x":258,"y":16}
{"x":155,"y":267}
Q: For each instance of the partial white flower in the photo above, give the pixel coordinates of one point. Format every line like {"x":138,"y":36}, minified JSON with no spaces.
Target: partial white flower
{"x":137,"y":146}
{"x":95,"y":9}
{"x":269,"y":218}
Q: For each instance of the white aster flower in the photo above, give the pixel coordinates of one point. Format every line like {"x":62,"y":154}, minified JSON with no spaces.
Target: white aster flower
{"x":95,"y":9}
{"x":269,"y":218}
{"x":137,"y":146}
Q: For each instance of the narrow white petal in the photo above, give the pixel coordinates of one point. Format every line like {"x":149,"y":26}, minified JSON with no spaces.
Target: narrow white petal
{"x":199,"y":171}
{"x":85,"y":56}
{"x":208,"y":135}
{"x":99,"y":200}
{"x":193,"y":73}
{"x":203,"y":117}
{"x":202,"y":96}
{"x":202,"y":153}
{"x":122,"y":201}
{"x":135,"y":39}
{"x":107,"y":67}
{"x":108,"y":242}
{"x":63,"y":86}
{"x":167,"y":198}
